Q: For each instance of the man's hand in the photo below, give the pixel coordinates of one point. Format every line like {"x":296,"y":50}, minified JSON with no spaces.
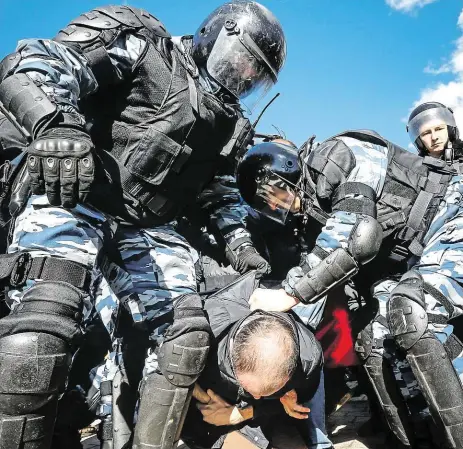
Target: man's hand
{"x":219,"y":412}
{"x":292,"y":408}
{"x":272,"y":300}
{"x":200,"y":395}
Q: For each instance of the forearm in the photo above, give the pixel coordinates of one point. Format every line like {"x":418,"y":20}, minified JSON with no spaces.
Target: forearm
{"x":350,"y":241}
{"x":226,"y":211}
{"x":61,"y":77}
{"x":242,"y":414}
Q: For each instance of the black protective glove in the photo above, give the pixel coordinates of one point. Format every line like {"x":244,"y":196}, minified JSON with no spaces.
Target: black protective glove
{"x":61,"y":164}
{"x":248,"y":259}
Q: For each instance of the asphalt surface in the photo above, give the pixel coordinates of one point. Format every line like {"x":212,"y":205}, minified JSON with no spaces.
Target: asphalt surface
{"x":342,"y":426}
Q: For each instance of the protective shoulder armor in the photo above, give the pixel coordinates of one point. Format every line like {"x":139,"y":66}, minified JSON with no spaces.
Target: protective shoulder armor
{"x":365,"y":240}
{"x":150,"y":22}
{"x":87,"y":27}
{"x":331,"y":162}
{"x":9,"y":64}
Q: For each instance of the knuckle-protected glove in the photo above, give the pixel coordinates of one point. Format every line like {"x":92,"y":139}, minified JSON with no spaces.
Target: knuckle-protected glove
{"x":249,"y":259}
{"x":61,"y":164}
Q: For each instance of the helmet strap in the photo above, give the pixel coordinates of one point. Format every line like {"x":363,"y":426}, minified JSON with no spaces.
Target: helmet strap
{"x":449,"y":153}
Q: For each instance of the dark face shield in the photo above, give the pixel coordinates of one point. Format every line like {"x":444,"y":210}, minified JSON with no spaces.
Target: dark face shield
{"x":428,"y":118}
{"x":237,"y":63}
{"x":274,"y":198}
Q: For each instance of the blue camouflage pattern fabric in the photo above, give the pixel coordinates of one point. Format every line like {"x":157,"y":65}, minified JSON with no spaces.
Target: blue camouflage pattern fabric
{"x":370,"y":168}
{"x":441,"y":265}
{"x":157,"y":266}
{"x":66,"y":78}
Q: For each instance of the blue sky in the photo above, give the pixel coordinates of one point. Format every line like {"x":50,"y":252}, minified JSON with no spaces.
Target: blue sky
{"x":351,"y":63}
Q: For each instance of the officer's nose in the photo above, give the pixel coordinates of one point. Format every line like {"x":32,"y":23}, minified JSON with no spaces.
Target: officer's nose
{"x":272,"y":205}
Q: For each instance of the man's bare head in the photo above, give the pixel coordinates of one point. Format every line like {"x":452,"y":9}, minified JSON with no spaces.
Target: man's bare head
{"x":264,"y":355}
{"x":285,"y":142}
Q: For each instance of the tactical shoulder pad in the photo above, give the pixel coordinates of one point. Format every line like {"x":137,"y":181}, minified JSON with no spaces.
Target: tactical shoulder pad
{"x":89,"y":26}
{"x":330,"y":163}
{"x":9,"y":64}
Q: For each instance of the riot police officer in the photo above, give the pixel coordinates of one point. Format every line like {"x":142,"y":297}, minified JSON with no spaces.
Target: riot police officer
{"x":374,"y":201}
{"x":127,"y":125}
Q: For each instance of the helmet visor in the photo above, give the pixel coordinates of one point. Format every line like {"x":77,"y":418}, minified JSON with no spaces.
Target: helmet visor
{"x":428,"y":118}
{"x":274,"y":198}
{"x":238,"y":65}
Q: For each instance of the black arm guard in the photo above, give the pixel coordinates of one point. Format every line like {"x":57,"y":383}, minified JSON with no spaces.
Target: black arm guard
{"x":364,"y":243}
{"x":25,"y":104}
{"x":330,"y":272}
{"x":365,"y":240}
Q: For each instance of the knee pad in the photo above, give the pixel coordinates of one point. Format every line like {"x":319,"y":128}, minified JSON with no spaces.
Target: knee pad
{"x":53,"y":308}
{"x":33,"y":369}
{"x":407,"y":317}
{"x":183,"y":354}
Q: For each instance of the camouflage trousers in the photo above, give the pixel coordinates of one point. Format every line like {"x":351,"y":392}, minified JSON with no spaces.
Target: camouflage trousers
{"x":143,"y":270}
{"x":441,"y":266}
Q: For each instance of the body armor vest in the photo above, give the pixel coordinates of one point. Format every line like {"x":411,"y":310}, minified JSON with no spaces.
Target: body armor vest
{"x":162,"y":134}
{"x":413,"y":189}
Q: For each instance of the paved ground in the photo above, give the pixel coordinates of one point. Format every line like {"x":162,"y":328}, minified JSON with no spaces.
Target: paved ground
{"x":342,"y":426}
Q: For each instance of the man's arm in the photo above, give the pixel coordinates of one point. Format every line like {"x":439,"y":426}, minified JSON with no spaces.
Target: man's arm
{"x":95,"y":51}
{"x":348,"y":179}
{"x":227,"y":219}
{"x":43,"y":82}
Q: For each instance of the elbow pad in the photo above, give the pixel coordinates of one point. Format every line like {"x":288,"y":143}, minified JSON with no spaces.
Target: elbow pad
{"x":329,"y":273}
{"x":25,"y":104}
{"x":364,"y":244}
{"x":365,"y":240}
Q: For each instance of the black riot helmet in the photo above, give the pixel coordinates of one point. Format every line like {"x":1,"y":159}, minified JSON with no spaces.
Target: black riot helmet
{"x":242,"y":47}
{"x":268,"y":176}
{"x":424,"y":115}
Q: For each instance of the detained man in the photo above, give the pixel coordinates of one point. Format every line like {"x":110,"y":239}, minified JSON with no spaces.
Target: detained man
{"x":263,"y":377}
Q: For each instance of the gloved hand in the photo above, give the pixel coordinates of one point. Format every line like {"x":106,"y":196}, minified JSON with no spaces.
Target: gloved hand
{"x":61,"y":164}
{"x":248,"y":259}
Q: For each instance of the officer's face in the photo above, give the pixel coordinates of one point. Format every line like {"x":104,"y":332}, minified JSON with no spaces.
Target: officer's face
{"x":253,"y":384}
{"x":435,"y":137}
{"x":279,"y":198}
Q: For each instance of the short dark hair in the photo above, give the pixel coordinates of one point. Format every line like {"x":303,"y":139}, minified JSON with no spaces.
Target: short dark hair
{"x":249,"y":355}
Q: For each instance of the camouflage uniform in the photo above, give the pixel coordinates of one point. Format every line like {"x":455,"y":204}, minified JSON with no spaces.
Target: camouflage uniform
{"x":441,"y":266}
{"x":159,"y":263}
{"x":370,"y":169}
{"x":141,"y":269}
{"x":438,"y":265}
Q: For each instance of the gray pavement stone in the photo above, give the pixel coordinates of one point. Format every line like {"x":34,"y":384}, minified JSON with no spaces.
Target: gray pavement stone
{"x":342,"y":426}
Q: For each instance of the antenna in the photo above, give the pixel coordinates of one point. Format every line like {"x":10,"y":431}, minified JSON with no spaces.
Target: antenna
{"x":265,"y":108}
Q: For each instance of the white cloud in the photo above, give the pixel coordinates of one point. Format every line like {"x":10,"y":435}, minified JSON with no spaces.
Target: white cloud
{"x":409,"y":5}
{"x":451,"y":93}
{"x":444,"y":68}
